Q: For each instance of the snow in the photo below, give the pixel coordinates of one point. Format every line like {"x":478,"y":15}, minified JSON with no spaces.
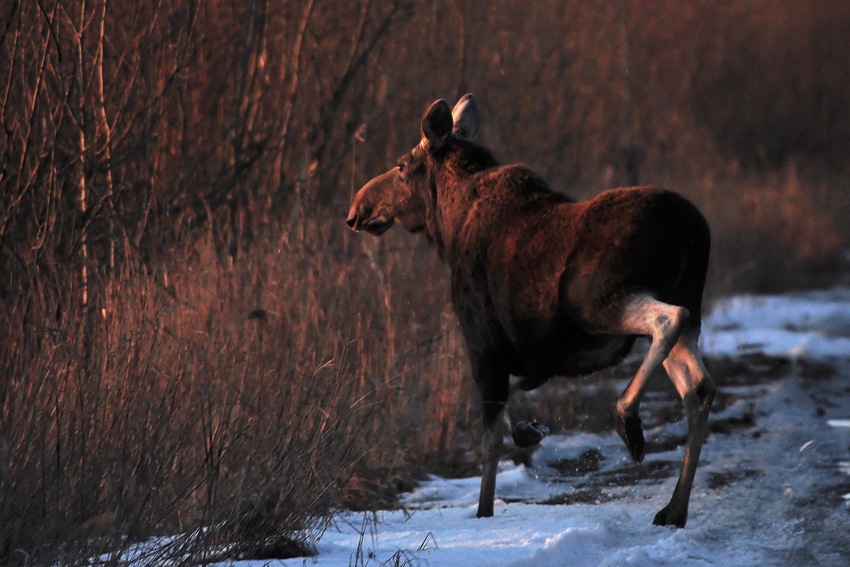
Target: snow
{"x":525,"y":534}
{"x":810,"y":325}
{"x":771,"y":488}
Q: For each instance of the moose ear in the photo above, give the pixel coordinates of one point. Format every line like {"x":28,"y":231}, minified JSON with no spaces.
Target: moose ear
{"x":467,"y":119}
{"x":436,"y":126}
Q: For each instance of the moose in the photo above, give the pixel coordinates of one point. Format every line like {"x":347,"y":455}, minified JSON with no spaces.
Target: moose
{"x":544,"y":286}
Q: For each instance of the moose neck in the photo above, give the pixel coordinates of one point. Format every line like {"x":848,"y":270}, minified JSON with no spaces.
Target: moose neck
{"x":455,"y":192}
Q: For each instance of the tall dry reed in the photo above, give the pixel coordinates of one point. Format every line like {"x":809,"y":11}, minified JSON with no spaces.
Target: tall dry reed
{"x":246,"y":397}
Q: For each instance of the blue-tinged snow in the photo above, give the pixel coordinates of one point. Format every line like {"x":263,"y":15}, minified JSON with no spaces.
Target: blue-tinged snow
{"x":811,"y":325}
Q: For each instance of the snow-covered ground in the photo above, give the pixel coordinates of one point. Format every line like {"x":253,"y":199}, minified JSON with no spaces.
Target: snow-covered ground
{"x":772,"y":487}
{"x":766,"y":494}
{"x":812,"y":325}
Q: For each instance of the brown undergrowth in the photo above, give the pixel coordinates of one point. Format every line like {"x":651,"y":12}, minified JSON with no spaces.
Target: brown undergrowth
{"x":247,"y":398}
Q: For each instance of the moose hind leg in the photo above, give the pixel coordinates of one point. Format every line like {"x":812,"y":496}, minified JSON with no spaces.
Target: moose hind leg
{"x":645,"y":315}
{"x":697,"y":389}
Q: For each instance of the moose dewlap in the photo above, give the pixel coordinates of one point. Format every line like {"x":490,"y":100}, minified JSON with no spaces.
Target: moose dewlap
{"x":546,"y":286}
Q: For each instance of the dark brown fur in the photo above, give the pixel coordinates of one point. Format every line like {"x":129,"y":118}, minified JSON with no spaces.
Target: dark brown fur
{"x":544,"y":286}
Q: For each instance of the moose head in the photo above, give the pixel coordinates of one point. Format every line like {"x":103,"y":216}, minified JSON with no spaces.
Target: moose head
{"x":403,"y":193}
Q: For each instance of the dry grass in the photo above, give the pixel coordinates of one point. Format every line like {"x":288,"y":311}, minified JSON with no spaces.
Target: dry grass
{"x":775,"y":231}
{"x":244,"y":397}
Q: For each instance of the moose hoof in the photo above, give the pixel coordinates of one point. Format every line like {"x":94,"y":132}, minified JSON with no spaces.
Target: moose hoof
{"x":666,"y":517}
{"x":631,"y":432}
{"x":484,"y":513}
{"x":527,"y":434}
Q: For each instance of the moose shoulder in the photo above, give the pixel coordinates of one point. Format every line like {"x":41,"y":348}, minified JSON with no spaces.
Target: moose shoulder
{"x":545,"y":286}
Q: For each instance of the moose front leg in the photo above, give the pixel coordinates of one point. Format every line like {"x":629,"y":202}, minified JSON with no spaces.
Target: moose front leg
{"x":492,"y":454}
{"x":494,"y":388}
{"x":524,"y":433}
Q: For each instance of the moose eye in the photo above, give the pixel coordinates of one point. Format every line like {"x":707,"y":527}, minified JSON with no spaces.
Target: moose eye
{"x":400,"y":167}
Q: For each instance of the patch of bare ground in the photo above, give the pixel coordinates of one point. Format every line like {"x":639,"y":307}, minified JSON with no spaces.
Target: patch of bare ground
{"x":592,"y":495}
{"x":585,"y":463}
{"x":748,"y":369}
{"x":266,"y":549}
{"x":662,"y":445}
{"x":730,"y":424}
{"x":632,"y":474}
{"x":597,"y":487}
{"x":718,"y":480}
{"x":816,"y":369}
{"x":758,"y":368}
{"x":627,"y":475}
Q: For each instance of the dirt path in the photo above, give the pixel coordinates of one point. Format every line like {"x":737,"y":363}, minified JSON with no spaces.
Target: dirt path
{"x":778,"y":474}
{"x":771,"y":476}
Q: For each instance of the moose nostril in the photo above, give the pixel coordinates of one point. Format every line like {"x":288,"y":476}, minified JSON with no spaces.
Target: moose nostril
{"x":351,"y":220}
